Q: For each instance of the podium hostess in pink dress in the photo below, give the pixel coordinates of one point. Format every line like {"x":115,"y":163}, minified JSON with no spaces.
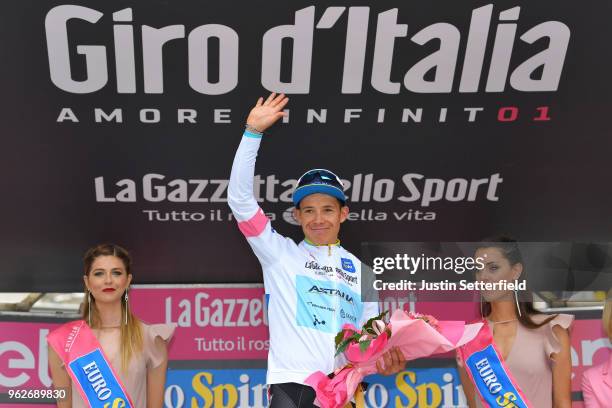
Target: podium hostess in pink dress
{"x":535,"y":347}
{"x":137,"y":352}
{"x":597,"y":381}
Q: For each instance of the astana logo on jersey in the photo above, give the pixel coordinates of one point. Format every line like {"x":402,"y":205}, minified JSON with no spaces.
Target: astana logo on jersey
{"x":326,"y":305}
{"x":332,"y":292}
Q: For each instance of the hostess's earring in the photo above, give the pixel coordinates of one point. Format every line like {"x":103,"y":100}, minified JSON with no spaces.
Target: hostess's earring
{"x":89,"y":307}
{"x":518,"y":308}
{"x":126,"y":307}
{"x":481,"y":312}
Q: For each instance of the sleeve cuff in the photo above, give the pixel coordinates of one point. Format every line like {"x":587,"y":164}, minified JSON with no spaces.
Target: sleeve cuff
{"x":251,"y":135}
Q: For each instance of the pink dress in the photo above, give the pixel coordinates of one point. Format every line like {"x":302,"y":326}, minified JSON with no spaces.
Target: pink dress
{"x":135,"y":378}
{"x":529,"y":359}
{"x":597,"y":385}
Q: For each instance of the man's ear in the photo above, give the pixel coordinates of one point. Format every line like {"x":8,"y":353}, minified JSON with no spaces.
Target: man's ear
{"x":344,"y":212}
{"x":296,"y":215}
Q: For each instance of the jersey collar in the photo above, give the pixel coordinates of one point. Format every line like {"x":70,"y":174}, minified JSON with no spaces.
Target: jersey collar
{"x":309,"y":242}
{"x":319,"y":247}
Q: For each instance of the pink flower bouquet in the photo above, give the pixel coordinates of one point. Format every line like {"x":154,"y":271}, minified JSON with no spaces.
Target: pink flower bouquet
{"x":415,"y":335}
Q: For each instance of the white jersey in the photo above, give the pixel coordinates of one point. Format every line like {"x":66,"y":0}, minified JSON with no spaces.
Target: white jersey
{"x":312,"y":290}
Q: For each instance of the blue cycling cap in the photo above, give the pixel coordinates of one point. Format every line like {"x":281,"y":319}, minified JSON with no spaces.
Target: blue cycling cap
{"x":318,"y":181}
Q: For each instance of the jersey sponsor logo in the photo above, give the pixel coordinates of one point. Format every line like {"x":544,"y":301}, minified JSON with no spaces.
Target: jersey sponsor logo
{"x":332,"y":292}
{"x":319,"y":269}
{"x":324,"y":270}
{"x":347,"y":265}
{"x":325,"y":305}
{"x":347,"y":315}
{"x":316,"y":321}
{"x":350,"y":279}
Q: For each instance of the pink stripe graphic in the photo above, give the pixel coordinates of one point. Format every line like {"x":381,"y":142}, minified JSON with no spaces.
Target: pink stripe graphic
{"x":255,"y":225}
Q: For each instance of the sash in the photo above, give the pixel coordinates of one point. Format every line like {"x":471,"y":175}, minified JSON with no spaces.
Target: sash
{"x":91,"y":373}
{"x":489,"y":373}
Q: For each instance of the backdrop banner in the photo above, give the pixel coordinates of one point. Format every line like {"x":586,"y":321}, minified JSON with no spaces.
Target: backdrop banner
{"x":214,"y":319}
{"x":448,"y":121}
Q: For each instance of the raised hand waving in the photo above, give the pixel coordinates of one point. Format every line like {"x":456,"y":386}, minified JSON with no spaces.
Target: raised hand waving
{"x":268,"y":112}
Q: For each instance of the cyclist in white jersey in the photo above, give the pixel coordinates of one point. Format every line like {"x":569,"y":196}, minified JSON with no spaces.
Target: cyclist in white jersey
{"x":313,"y":287}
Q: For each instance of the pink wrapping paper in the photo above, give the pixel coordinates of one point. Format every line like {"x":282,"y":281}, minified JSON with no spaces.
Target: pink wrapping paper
{"x":415,"y":338}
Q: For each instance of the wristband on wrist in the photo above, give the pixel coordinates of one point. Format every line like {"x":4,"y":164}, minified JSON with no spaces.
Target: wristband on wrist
{"x":253,"y":129}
